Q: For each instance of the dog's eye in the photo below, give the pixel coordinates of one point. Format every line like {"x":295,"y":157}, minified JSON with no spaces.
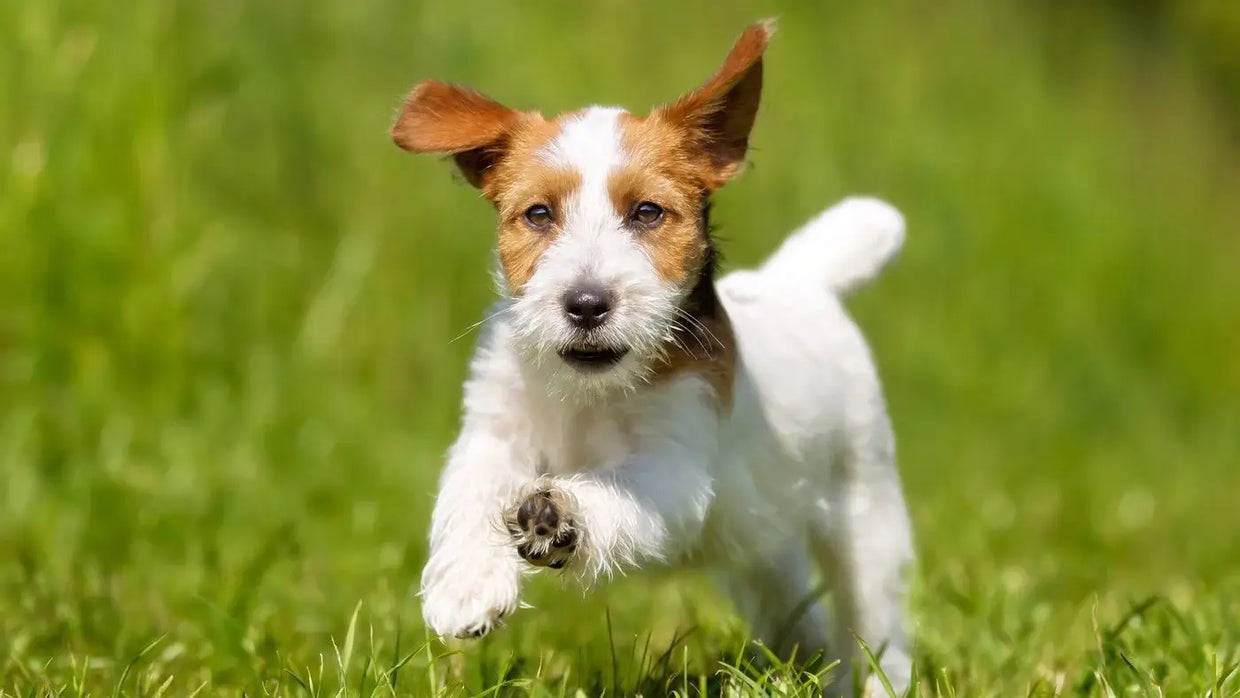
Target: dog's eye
{"x":539,"y":216}
{"x":647,"y":213}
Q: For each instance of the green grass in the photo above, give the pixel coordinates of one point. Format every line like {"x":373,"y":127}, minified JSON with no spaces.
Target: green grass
{"x":227,"y":306}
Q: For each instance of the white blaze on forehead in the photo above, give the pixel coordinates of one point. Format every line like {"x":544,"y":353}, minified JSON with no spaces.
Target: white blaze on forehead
{"x":589,"y":144}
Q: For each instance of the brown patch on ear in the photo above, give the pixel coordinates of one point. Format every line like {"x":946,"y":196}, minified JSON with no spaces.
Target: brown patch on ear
{"x":441,"y":118}
{"x":720,"y":114}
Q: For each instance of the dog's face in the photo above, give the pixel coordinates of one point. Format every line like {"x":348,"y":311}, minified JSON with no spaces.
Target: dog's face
{"x":602,"y":230}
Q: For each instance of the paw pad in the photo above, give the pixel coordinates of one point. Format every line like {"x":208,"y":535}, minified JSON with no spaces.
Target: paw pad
{"x":541,"y":525}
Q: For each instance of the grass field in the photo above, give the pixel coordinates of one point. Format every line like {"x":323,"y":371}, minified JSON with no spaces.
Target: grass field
{"x":228,"y":308}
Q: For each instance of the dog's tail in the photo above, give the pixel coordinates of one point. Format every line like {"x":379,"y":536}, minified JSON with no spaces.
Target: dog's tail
{"x":844,"y":247}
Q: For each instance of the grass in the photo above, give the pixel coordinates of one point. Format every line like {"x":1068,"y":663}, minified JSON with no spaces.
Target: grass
{"x":228,"y":374}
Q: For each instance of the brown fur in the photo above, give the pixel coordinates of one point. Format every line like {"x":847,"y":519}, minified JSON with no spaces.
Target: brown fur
{"x":519,"y":246}
{"x":719,"y":115}
{"x":441,"y":118}
{"x":519,"y":180}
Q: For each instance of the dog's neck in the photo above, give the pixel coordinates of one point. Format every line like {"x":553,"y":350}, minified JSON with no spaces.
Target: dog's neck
{"x":702,"y":341}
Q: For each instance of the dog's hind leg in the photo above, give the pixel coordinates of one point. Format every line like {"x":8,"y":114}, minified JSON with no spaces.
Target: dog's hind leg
{"x":778,"y":599}
{"x":862,"y":540}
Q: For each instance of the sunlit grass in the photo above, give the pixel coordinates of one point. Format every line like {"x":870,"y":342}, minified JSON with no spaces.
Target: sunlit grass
{"x":227,"y":374}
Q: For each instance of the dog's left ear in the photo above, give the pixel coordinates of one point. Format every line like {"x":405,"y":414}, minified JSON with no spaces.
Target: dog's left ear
{"x":719,"y":115}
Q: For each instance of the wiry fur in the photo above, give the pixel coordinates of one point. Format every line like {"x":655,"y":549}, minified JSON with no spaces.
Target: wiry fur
{"x":745,"y":428}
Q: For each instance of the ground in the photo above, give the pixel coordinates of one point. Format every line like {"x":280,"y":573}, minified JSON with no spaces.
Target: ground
{"x":235,"y":321}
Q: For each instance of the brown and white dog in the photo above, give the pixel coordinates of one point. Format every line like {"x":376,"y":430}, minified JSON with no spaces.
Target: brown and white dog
{"x":626,"y":408}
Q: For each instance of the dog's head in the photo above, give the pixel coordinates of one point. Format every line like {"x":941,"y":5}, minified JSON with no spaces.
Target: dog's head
{"x":603,"y":239}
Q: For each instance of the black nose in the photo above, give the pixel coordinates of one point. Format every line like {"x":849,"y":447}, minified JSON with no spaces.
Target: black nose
{"x":587,"y":306}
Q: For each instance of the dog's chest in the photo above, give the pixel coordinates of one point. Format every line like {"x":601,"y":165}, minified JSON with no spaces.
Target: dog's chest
{"x":583,"y":439}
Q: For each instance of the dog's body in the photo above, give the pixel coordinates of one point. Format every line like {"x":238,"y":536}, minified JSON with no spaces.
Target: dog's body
{"x":625,"y":408}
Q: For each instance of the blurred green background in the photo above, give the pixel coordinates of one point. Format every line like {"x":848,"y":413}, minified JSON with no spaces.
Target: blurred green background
{"x":228,"y":306}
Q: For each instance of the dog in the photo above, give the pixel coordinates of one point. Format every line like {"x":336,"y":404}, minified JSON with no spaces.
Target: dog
{"x":626,"y":408}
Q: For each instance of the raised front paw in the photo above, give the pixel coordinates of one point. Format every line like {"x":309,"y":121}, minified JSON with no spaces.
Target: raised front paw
{"x":541,"y":525}
{"x":468,"y":597}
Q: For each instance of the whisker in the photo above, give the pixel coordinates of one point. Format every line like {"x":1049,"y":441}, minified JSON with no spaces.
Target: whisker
{"x":676,"y":340}
{"x":680,"y":345}
{"x":704,"y":330}
{"x":480,"y":323}
{"x":710,"y":334}
{"x":699,"y":324}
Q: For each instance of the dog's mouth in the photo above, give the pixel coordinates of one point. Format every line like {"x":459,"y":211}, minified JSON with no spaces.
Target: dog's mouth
{"x":592,"y":358}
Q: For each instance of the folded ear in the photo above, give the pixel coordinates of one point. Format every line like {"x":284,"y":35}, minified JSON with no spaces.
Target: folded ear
{"x":720,"y":114}
{"x":442,"y":118}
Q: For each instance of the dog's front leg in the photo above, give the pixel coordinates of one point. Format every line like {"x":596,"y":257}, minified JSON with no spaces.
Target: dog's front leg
{"x":473,"y":576}
{"x":650,"y":507}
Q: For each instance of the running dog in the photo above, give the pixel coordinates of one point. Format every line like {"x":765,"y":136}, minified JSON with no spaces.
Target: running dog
{"x":627,"y":408}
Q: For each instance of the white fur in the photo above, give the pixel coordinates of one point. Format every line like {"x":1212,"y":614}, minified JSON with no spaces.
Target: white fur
{"x":851,"y":260}
{"x":798,"y":475}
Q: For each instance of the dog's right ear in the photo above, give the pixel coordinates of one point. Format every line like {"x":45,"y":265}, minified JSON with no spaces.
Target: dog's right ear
{"x":720,"y":114}
{"x":441,"y":118}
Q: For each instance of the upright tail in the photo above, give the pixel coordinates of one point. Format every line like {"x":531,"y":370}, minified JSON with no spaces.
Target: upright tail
{"x":843,"y":248}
